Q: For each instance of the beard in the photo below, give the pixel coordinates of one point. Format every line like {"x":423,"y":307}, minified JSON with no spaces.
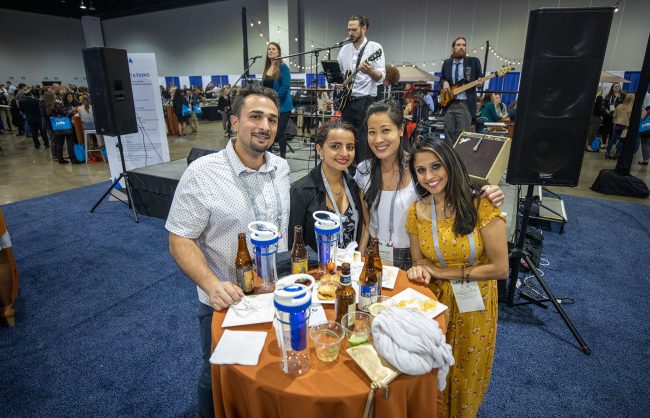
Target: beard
{"x":459,"y":54}
{"x":256,"y":147}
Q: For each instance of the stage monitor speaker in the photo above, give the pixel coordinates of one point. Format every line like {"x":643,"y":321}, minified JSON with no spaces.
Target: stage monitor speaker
{"x":109,"y":85}
{"x":564,"y":54}
{"x":485,"y":156}
{"x":197,"y":152}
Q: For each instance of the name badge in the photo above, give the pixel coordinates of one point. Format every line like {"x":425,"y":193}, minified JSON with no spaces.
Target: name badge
{"x":386,"y":253}
{"x":468,"y":296}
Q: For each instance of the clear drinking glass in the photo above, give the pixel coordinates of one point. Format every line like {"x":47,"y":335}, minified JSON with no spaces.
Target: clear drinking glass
{"x":327,"y":340}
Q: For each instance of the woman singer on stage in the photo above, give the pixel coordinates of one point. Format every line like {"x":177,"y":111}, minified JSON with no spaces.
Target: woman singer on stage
{"x":278,"y":77}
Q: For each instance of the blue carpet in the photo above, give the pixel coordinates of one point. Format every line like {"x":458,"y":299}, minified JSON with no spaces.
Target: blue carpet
{"x":106,"y":324}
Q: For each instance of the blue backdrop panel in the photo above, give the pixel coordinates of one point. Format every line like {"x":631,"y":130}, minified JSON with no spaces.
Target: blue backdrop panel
{"x":220,"y":80}
{"x":174,"y":80}
{"x":633,"y":77}
{"x":196,"y":81}
{"x":321,"y":79}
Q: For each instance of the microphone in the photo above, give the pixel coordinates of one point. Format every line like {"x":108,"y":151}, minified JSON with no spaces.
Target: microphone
{"x":343,"y":42}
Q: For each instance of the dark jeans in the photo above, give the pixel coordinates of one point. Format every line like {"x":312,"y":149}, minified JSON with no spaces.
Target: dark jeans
{"x":206,"y":405}
{"x":355,"y":113}
{"x":281,"y":133}
{"x":58,"y":143}
{"x":35,"y":128}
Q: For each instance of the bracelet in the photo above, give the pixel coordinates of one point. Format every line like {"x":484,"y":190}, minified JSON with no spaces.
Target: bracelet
{"x":466,"y":274}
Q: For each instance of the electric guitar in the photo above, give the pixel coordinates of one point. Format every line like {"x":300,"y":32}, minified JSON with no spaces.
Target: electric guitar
{"x":446,"y":96}
{"x":349,"y":80}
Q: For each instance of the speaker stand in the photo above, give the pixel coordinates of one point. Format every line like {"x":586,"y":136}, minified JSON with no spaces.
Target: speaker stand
{"x":516,"y":255}
{"x":123,"y":175}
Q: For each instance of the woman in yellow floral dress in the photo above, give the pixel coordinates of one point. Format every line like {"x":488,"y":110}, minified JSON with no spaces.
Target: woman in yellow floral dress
{"x":469,"y":243}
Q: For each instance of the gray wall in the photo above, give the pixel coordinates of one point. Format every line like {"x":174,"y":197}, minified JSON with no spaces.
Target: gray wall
{"x":196,"y":40}
{"x":207,"y":39}
{"x":34,"y":46}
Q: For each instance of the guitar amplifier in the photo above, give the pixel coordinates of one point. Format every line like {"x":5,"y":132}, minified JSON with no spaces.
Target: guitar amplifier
{"x":485,"y":156}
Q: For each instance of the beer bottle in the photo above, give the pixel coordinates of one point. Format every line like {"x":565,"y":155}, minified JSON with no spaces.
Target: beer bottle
{"x":345,"y":294}
{"x":298,"y":252}
{"x":368,"y":281}
{"x":378,"y":265}
{"x":244,"y":266}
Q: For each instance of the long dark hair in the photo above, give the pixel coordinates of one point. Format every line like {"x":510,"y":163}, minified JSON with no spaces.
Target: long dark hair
{"x":610,"y":93}
{"x":394,"y":112}
{"x":460,"y":193}
{"x":269,"y":62}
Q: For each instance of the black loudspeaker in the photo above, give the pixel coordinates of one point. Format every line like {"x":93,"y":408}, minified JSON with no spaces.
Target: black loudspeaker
{"x":565,"y":49}
{"x":109,"y":85}
{"x":197,"y":152}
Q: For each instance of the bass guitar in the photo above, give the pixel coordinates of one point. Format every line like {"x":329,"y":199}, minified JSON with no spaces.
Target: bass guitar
{"x":446,"y":96}
{"x":349,"y":80}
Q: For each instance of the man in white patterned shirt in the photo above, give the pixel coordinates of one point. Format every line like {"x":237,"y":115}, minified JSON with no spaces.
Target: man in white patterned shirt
{"x":370,"y":75}
{"x":216,"y":198}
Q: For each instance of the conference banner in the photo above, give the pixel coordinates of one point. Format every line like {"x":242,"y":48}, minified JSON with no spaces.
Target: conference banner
{"x":149,"y":145}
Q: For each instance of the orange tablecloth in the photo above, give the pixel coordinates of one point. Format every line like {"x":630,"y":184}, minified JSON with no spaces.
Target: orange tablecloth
{"x":338,"y":390}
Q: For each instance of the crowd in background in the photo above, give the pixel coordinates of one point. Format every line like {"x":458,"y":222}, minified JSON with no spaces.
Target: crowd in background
{"x":28,"y":109}
{"x":610,"y":121}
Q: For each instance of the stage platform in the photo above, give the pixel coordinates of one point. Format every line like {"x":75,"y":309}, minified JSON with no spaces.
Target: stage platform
{"x":154,"y":187}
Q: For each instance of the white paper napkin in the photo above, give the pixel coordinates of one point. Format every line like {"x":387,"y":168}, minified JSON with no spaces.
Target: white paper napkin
{"x":389,"y":276}
{"x":239,"y":347}
{"x":263,"y":312}
{"x":317,"y":316}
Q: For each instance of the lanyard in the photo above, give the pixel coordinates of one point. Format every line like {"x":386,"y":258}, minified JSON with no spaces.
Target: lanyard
{"x":391,"y":222}
{"x":436,"y":245}
{"x":355,"y":213}
{"x":251,"y":198}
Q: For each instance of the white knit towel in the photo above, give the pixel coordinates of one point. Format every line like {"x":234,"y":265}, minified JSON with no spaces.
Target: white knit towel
{"x":412,"y":343}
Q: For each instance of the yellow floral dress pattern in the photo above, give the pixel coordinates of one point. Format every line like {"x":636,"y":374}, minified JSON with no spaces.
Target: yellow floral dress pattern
{"x":472,"y":335}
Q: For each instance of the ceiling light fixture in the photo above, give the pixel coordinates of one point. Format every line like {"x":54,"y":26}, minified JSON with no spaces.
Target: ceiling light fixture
{"x":82,"y":5}
{"x":91,"y":6}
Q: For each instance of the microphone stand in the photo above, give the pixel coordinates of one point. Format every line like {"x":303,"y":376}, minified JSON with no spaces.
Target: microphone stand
{"x":250,"y":64}
{"x":315,"y":52}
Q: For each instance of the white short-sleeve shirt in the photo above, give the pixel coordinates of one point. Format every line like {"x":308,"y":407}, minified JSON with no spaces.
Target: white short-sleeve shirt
{"x":211,"y":206}
{"x":379,"y":217}
{"x":363,"y":85}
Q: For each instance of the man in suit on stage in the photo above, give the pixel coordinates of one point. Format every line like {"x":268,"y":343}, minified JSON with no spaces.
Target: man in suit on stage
{"x":364,"y":87}
{"x":459,"y":67}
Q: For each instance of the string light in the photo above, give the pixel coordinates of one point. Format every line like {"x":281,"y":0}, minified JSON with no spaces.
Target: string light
{"x":252,"y":24}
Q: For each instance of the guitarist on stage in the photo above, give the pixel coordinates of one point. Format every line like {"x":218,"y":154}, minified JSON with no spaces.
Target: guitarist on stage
{"x":370,"y":75}
{"x":459,"y":68}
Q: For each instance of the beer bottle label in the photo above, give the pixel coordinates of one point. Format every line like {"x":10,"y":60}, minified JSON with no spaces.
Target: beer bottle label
{"x":351,"y":309}
{"x":299,"y":267}
{"x":245,"y":279}
{"x":367,"y":295}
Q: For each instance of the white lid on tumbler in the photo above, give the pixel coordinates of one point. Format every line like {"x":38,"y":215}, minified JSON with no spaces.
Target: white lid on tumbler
{"x":263,"y":234}
{"x":293,"y":298}
{"x":327,"y":223}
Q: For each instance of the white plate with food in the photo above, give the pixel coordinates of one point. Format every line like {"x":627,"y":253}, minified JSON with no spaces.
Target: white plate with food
{"x":412,"y":299}
{"x":324,"y":291}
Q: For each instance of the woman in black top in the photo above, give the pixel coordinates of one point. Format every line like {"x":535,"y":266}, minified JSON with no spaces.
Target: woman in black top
{"x":179,"y":101}
{"x":329,"y":187}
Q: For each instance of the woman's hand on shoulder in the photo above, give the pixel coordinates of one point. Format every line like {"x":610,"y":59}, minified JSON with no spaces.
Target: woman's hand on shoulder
{"x":418,"y":274}
{"x":494,"y":194}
